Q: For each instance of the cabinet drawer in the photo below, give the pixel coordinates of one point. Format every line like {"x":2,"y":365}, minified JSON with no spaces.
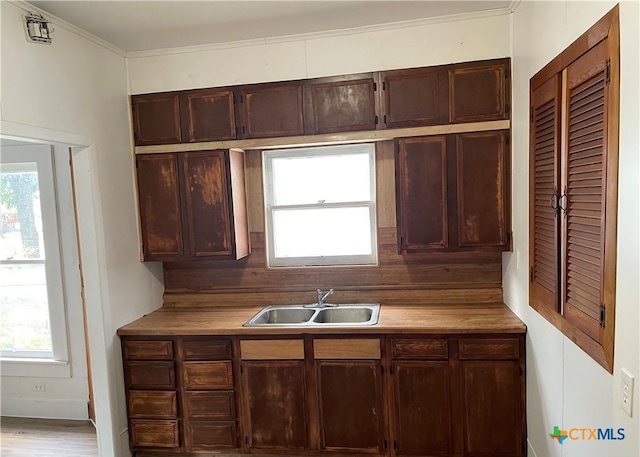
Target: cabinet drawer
{"x":210,"y":405}
{"x":206,"y":350}
{"x":207,"y":375}
{"x":150,"y":375}
{"x":148,"y":350}
{"x":152,"y":404}
{"x":203,"y":435}
{"x":149,"y":433}
{"x":493,"y":349}
{"x":435,"y":349}
{"x":357,"y":348}
{"x":272,"y":349}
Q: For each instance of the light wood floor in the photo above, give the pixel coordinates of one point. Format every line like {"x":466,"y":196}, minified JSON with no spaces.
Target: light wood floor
{"x":20,"y":437}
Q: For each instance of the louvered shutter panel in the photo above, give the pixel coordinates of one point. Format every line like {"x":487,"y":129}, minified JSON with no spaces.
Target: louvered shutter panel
{"x":586,"y":184}
{"x":544,"y":182}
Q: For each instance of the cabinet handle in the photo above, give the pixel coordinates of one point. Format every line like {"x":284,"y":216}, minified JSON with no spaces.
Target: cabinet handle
{"x":566,"y":201}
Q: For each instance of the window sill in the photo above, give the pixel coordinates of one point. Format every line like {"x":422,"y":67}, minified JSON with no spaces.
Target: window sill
{"x":37,"y":368}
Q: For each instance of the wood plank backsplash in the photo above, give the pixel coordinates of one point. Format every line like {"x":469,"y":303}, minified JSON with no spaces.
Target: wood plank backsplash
{"x":455,"y":277}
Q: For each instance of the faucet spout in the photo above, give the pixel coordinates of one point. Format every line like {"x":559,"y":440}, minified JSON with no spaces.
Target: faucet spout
{"x":322,"y":297}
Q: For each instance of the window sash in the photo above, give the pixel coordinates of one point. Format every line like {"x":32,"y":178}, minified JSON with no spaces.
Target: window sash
{"x":52,"y":261}
{"x":271,"y":208}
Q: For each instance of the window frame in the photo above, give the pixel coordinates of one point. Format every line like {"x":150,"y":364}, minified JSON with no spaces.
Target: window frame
{"x":602,"y":351}
{"x":270,"y":207}
{"x":56,"y":299}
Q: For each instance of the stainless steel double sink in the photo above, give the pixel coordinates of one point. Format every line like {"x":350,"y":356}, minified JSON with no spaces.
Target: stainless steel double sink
{"x":314,"y":316}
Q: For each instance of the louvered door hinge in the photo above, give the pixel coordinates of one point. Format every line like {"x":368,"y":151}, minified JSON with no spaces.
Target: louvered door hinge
{"x":607,"y":74}
{"x":603,"y":314}
{"x":531,"y":274}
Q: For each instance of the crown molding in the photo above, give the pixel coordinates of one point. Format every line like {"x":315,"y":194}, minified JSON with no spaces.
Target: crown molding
{"x":514,"y":5}
{"x":324,"y":34}
{"x":29,"y":8}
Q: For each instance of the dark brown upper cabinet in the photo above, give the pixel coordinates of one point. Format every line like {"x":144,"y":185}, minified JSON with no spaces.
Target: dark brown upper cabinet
{"x":207,"y":115}
{"x":453,"y":192}
{"x":414,"y":97}
{"x":271,"y":110}
{"x":340,"y":104}
{"x":479,"y":91}
{"x":156,"y":119}
{"x":193,"y":205}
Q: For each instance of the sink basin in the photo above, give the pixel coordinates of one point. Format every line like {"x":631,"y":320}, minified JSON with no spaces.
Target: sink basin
{"x":282,"y":315}
{"x":313,"y":316}
{"x":346,"y":315}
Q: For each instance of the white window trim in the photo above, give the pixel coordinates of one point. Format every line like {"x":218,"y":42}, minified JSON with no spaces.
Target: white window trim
{"x":270,"y":207}
{"x":53,"y":264}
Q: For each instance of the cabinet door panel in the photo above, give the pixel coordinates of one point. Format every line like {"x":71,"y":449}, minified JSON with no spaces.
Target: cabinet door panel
{"x":478,"y":92}
{"x":207,"y":203}
{"x":272,"y":110}
{"x":156,"y":119}
{"x":159,"y":197}
{"x":492,"y":397}
{"x":422,"y":408}
{"x":275,"y":404}
{"x":340,"y":105}
{"x":210,"y":435}
{"x":350,"y":397}
{"x":207,"y":115}
{"x":483,"y":189}
{"x":421,"y":181}
{"x":207,"y":375}
{"x":150,"y":433}
{"x":414,"y":98}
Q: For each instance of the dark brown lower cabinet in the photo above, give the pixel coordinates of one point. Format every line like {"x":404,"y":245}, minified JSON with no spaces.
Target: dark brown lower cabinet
{"x":422,"y":408}
{"x":350,"y":402}
{"x":275,"y":405}
{"x":492,"y":401}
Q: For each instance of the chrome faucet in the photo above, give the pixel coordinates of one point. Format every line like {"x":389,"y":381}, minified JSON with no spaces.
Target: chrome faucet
{"x":320,"y":302}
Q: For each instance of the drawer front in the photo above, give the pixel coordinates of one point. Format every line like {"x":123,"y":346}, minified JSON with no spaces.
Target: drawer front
{"x":152,"y":404}
{"x":356,"y":348}
{"x":148,"y":350}
{"x":434,"y":349}
{"x":272,"y":349}
{"x":206,"y":350}
{"x":207,"y":375}
{"x":210,"y":405}
{"x":490,"y":349}
{"x":203,"y":435}
{"x":150,"y":375}
{"x":150,"y":433}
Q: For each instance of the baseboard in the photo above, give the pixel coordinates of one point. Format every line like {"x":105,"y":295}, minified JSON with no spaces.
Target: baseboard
{"x":45,"y":409}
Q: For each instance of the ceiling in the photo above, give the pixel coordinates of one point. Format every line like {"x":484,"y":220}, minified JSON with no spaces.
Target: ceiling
{"x":146,"y":25}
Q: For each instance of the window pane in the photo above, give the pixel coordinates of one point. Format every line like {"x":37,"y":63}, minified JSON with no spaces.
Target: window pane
{"x":20,"y":215}
{"x":327,"y":178}
{"x":24,"y":311}
{"x":322,"y":232}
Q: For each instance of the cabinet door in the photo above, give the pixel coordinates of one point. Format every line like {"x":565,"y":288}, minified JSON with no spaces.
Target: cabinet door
{"x":275,"y":404}
{"x":207,"y":203}
{"x":479,"y":91}
{"x":156,"y":119}
{"x":483,"y":190}
{"x":422,"y":408}
{"x":159,"y":206}
{"x":415,"y":97}
{"x":421,"y":193}
{"x":493,"y":408}
{"x":350,"y":403}
{"x":207,"y":115}
{"x":272,"y":110}
{"x":340,"y":104}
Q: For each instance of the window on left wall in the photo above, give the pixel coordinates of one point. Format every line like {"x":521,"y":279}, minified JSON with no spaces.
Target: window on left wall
{"x":32,"y":307}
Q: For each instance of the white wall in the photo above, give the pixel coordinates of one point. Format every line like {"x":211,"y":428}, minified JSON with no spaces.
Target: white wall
{"x":295,"y":58}
{"x":565,"y":387}
{"x":80,"y":89}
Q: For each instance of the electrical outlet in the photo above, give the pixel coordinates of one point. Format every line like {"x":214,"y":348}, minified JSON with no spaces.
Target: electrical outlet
{"x":626,"y":395}
{"x":39,"y":387}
